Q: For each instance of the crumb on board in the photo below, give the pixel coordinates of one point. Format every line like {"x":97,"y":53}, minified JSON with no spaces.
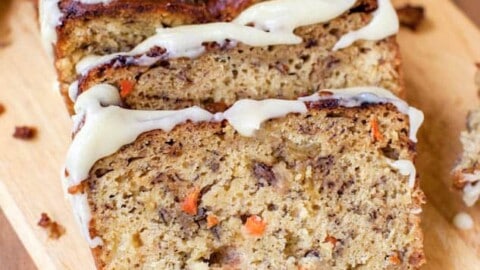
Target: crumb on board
{"x":25,"y":132}
{"x":54,"y":229}
{"x":411,"y":16}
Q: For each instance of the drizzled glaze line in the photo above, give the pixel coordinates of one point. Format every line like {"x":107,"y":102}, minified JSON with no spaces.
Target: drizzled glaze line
{"x":384,"y":23}
{"x":50,"y":17}
{"x":273,"y":23}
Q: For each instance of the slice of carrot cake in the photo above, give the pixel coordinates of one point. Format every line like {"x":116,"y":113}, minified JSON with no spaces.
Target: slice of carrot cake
{"x":235,"y":49}
{"x":323,"y":182}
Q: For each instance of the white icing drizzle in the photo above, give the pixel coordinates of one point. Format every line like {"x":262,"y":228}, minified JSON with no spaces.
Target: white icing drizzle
{"x":105,"y":129}
{"x":274,"y":22}
{"x":248,"y":115}
{"x":463,"y":221}
{"x":384,"y":24}
{"x":97,"y":109}
{"x":73,"y":91}
{"x":284,"y":16}
{"x":471,"y":193}
{"x":356,"y":96}
{"x":81,"y":212}
{"x":416,"y":211}
{"x":416,"y":118}
{"x":50,"y":17}
{"x":406,"y":168}
{"x":471,"y":177}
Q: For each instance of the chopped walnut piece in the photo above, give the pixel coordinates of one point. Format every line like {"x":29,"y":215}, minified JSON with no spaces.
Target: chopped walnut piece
{"x":215,"y":107}
{"x":54,"y":229}
{"x":264,"y":174}
{"x":25,"y":133}
{"x":411,"y":16}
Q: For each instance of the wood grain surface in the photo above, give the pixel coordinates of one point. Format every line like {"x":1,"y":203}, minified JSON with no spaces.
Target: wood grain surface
{"x":13,"y":255}
{"x":439,"y":68}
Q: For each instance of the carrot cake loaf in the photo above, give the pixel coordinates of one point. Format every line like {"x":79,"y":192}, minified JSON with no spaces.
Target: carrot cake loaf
{"x":238,"y":134}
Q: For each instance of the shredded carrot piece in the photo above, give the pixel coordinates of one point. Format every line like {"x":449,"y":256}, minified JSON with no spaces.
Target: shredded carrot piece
{"x":330,"y":239}
{"x":212,"y":221}
{"x":255,"y":225}
{"x":75,"y":189}
{"x":376,"y":134}
{"x":126,"y":87}
{"x":394,"y":259}
{"x":190,"y":203}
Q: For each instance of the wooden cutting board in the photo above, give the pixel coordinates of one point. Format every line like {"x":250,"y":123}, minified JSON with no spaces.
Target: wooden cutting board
{"x":439,"y":68}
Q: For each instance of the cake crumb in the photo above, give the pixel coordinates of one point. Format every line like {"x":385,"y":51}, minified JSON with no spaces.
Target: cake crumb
{"x":463,"y":221}
{"x":2,"y":109}
{"x":25,"y":132}
{"x":54,"y":229}
{"x":411,"y":16}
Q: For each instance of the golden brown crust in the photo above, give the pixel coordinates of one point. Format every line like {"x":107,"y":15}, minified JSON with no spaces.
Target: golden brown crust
{"x":74,"y":10}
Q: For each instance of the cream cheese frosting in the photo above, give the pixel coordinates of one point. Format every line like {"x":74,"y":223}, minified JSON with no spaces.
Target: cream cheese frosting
{"x":248,"y":115}
{"x":384,"y":24}
{"x":99,"y":136}
{"x":471,"y":193}
{"x":406,"y":168}
{"x":50,"y":17}
{"x":463,"y":221}
{"x":273,"y":24}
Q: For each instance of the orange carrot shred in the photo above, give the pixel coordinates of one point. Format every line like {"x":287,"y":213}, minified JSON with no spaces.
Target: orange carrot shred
{"x":126,"y":87}
{"x":212,"y":221}
{"x":190,"y":203}
{"x":330,"y":239}
{"x":376,"y":134}
{"x":255,"y":225}
{"x":394,"y":259}
{"x":75,"y":189}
